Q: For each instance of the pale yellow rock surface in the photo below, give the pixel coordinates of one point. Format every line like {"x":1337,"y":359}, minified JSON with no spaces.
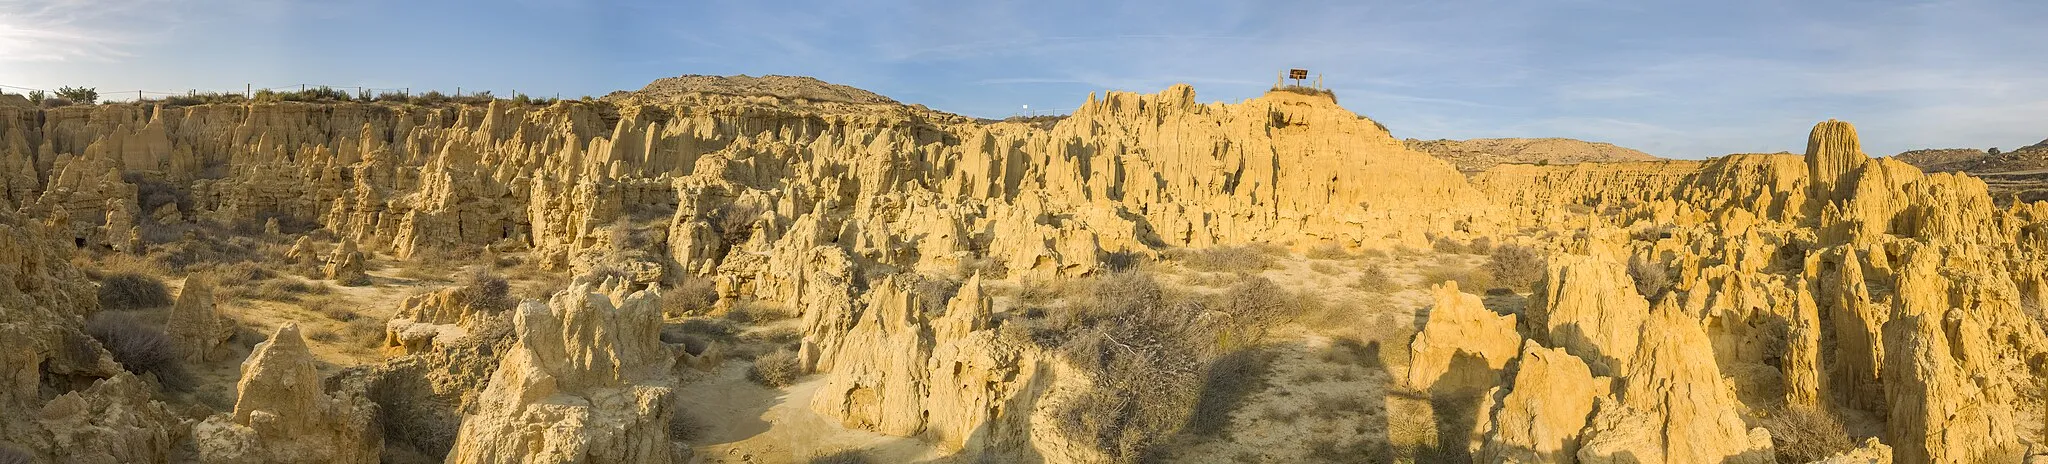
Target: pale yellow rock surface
{"x":283,"y":413}
{"x":589,"y":380}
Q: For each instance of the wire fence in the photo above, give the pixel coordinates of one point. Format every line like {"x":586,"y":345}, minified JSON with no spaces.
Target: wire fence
{"x":250,"y":90}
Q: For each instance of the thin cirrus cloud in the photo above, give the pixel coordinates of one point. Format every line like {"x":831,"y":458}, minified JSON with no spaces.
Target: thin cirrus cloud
{"x":1680,"y":79}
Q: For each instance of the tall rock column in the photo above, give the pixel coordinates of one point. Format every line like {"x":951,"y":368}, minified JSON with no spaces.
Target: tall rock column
{"x":1831,"y":151}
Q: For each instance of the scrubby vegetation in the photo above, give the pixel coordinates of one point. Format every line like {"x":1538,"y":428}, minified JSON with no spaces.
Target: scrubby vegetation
{"x":486,"y":290}
{"x":1805,"y":435}
{"x":1650,"y":277}
{"x":690,"y":296}
{"x":776,"y":369}
{"x":1373,"y":278}
{"x":130,"y":290}
{"x":1161,"y":362}
{"x":139,"y":348}
{"x":1248,"y":258}
{"x":1516,"y":267}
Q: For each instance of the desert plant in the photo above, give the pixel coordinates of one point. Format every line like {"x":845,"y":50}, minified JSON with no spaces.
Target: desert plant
{"x":84,"y":95}
{"x":1328,"y":250}
{"x":841,"y":457}
{"x":1805,"y":434}
{"x":53,"y":102}
{"x":1650,"y":277}
{"x":1374,"y":279}
{"x":755,"y":312}
{"x":692,"y":295}
{"x":485,"y":290}
{"x":1445,"y":245}
{"x":1516,"y":267}
{"x":776,"y":369}
{"x":1250,"y":258}
{"x":128,"y":290}
{"x":139,"y":348}
{"x":37,"y":96}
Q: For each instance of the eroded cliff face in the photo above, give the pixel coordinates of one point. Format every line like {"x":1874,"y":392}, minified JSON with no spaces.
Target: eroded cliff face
{"x":1830,"y":280}
{"x":1681,"y":300}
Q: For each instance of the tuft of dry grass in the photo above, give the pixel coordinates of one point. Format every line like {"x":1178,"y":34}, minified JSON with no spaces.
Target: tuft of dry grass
{"x":1248,"y":258}
{"x":1328,"y":250}
{"x":129,"y":291}
{"x":1516,"y":267}
{"x":1471,"y":280}
{"x":1805,"y":435}
{"x":776,"y":369}
{"x":1374,"y":278}
{"x":140,"y":348}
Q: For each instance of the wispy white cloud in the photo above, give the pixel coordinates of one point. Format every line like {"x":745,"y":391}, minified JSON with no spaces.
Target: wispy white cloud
{"x":63,"y":30}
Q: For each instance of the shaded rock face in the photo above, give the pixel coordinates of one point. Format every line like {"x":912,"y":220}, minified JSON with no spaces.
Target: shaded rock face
{"x":588,"y":380}
{"x":283,"y":413}
{"x":195,"y":326}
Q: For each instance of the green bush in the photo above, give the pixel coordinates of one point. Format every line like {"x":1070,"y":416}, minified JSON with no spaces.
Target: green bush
{"x":128,"y":290}
{"x":81,"y":95}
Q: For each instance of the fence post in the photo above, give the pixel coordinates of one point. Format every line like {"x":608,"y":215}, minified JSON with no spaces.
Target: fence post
{"x":247,"y":93}
{"x":302,"y":88}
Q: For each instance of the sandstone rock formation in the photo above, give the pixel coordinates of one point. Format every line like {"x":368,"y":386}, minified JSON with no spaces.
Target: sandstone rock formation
{"x":195,"y":326}
{"x":589,"y":380}
{"x":1459,"y":325}
{"x":1678,"y":296}
{"x":283,"y":414}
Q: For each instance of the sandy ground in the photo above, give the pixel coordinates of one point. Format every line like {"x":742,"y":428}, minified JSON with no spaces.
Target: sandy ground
{"x":742,"y":421}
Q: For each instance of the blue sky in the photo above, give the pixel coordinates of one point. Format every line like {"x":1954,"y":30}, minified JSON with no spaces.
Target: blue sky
{"x":1682,"y":79}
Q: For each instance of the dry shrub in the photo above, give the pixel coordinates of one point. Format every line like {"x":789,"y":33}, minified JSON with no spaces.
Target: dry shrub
{"x":486,"y":290}
{"x":140,"y":348}
{"x":693,"y":295}
{"x":1445,"y":245}
{"x":1374,"y":278}
{"x":1328,"y":250}
{"x":128,"y":291}
{"x":1147,"y":358}
{"x":1325,"y":268}
{"x":1257,"y":302}
{"x":1249,"y":258}
{"x":776,"y":369}
{"x":756,"y":312}
{"x":1470,"y":280}
{"x":1481,"y":246}
{"x":1516,"y":267}
{"x":842,"y":457}
{"x":1650,"y":277}
{"x":1804,"y":434}
{"x":283,"y":290}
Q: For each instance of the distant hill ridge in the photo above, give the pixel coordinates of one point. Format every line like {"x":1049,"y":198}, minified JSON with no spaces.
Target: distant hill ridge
{"x":1479,"y":154}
